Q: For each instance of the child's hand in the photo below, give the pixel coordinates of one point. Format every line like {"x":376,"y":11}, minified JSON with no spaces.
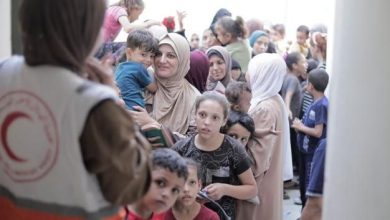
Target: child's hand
{"x":297,"y":124}
{"x":215,"y":190}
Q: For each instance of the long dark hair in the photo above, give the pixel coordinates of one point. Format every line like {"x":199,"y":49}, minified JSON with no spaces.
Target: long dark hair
{"x":61,"y":32}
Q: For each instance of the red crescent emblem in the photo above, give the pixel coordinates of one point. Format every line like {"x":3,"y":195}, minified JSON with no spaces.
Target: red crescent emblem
{"x":4,"y":130}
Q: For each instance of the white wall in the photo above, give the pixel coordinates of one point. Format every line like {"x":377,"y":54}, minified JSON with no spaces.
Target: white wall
{"x":357,"y":171}
{"x":5,"y":24}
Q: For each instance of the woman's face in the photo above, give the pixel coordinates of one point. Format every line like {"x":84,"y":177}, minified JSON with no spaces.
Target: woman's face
{"x":166,"y":62}
{"x":217,"y":67}
{"x":261,"y":45}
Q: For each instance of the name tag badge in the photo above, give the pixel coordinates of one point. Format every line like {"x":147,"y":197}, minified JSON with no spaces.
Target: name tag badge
{"x":312,"y":115}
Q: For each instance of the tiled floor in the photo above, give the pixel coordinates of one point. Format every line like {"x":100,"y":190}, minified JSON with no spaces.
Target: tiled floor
{"x":290,"y":210}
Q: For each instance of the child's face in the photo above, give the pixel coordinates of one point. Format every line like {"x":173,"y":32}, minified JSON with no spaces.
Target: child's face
{"x":191,"y":188}
{"x":163,"y":191}
{"x":239,"y":133}
{"x":275,"y":35}
{"x":134,"y":13}
{"x":261,"y":45}
{"x":301,"y":66}
{"x":301,"y":38}
{"x":217,"y":67}
{"x":222,"y":36}
{"x":235,"y":73}
{"x":245,"y":101}
{"x":194,"y":41}
{"x":209,"y":118}
{"x":141,"y":56}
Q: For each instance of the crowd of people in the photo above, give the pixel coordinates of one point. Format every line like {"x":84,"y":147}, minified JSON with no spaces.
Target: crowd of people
{"x":160,"y":126}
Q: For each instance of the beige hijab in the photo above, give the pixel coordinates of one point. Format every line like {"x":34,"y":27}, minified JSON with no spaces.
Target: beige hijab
{"x":174,"y":101}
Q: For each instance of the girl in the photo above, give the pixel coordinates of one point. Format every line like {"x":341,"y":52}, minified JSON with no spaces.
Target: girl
{"x":220,"y":68}
{"x":232,"y":33}
{"x":122,"y":15}
{"x":225,"y":167}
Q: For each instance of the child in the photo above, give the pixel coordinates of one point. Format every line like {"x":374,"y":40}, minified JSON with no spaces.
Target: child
{"x":301,"y":45}
{"x":236,"y":71}
{"x":169,"y":174}
{"x":313,"y":127}
{"x":291,"y":93}
{"x":225,"y":166}
{"x":232,"y":34}
{"x":186,"y":206}
{"x":132,"y":76}
{"x":239,"y":96}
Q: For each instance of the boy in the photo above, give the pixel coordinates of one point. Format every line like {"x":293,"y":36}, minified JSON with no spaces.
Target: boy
{"x":131,"y":76}
{"x":301,"y":45}
{"x":291,"y":93}
{"x":314,"y":125}
{"x":169,"y":174}
{"x":239,"y":96}
{"x":186,"y":206}
{"x":313,"y":208}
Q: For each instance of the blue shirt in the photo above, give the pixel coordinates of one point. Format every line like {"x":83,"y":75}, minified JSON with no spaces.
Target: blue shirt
{"x":316,"y":179}
{"x":131,"y":79}
{"x":316,"y":114}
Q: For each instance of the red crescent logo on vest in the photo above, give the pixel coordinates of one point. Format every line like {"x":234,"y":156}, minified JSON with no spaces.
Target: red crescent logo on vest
{"x":29,"y":141}
{"x":4,"y":129}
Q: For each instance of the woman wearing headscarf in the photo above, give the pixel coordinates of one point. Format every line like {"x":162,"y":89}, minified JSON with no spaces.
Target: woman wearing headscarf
{"x":220,"y":66}
{"x":173,"y":102}
{"x":259,"y":41}
{"x":265,"y":76}
{"x":82,"y":156}
{"x":199,"y":70}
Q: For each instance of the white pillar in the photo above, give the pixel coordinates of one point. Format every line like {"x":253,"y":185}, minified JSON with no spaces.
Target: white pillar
{"x":357,"y":184}
{"x":5,"y":24}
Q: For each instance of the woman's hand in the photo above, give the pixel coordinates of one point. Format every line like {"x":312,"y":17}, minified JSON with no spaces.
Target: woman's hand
{"x":142,"y":118}
{"x":215,"y":190}
{"x":101,"y":71}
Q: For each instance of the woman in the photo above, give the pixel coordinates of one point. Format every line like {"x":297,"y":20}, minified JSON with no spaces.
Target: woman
{"x":199,"y":70}
{"x":265,"y":76}
{"x":259,"y":41}
{"x":173,"y":103}
{"x":220,"y":68}
{"x":79,"y":155}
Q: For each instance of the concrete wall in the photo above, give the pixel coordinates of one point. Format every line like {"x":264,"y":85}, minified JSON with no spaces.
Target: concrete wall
{"x":357,"y":174}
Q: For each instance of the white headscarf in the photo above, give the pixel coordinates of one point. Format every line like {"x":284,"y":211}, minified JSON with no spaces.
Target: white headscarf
{"x":266,"y":73}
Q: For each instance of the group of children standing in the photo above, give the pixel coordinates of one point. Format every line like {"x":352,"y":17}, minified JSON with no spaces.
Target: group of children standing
{"x":221,"y":157}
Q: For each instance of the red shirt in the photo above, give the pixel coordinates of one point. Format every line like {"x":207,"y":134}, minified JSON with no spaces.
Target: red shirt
{"x":204,"y":214}
{"x":133,"y":216}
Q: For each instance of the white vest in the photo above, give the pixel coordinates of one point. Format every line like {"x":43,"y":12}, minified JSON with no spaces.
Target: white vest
{"x":43,"y":110}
